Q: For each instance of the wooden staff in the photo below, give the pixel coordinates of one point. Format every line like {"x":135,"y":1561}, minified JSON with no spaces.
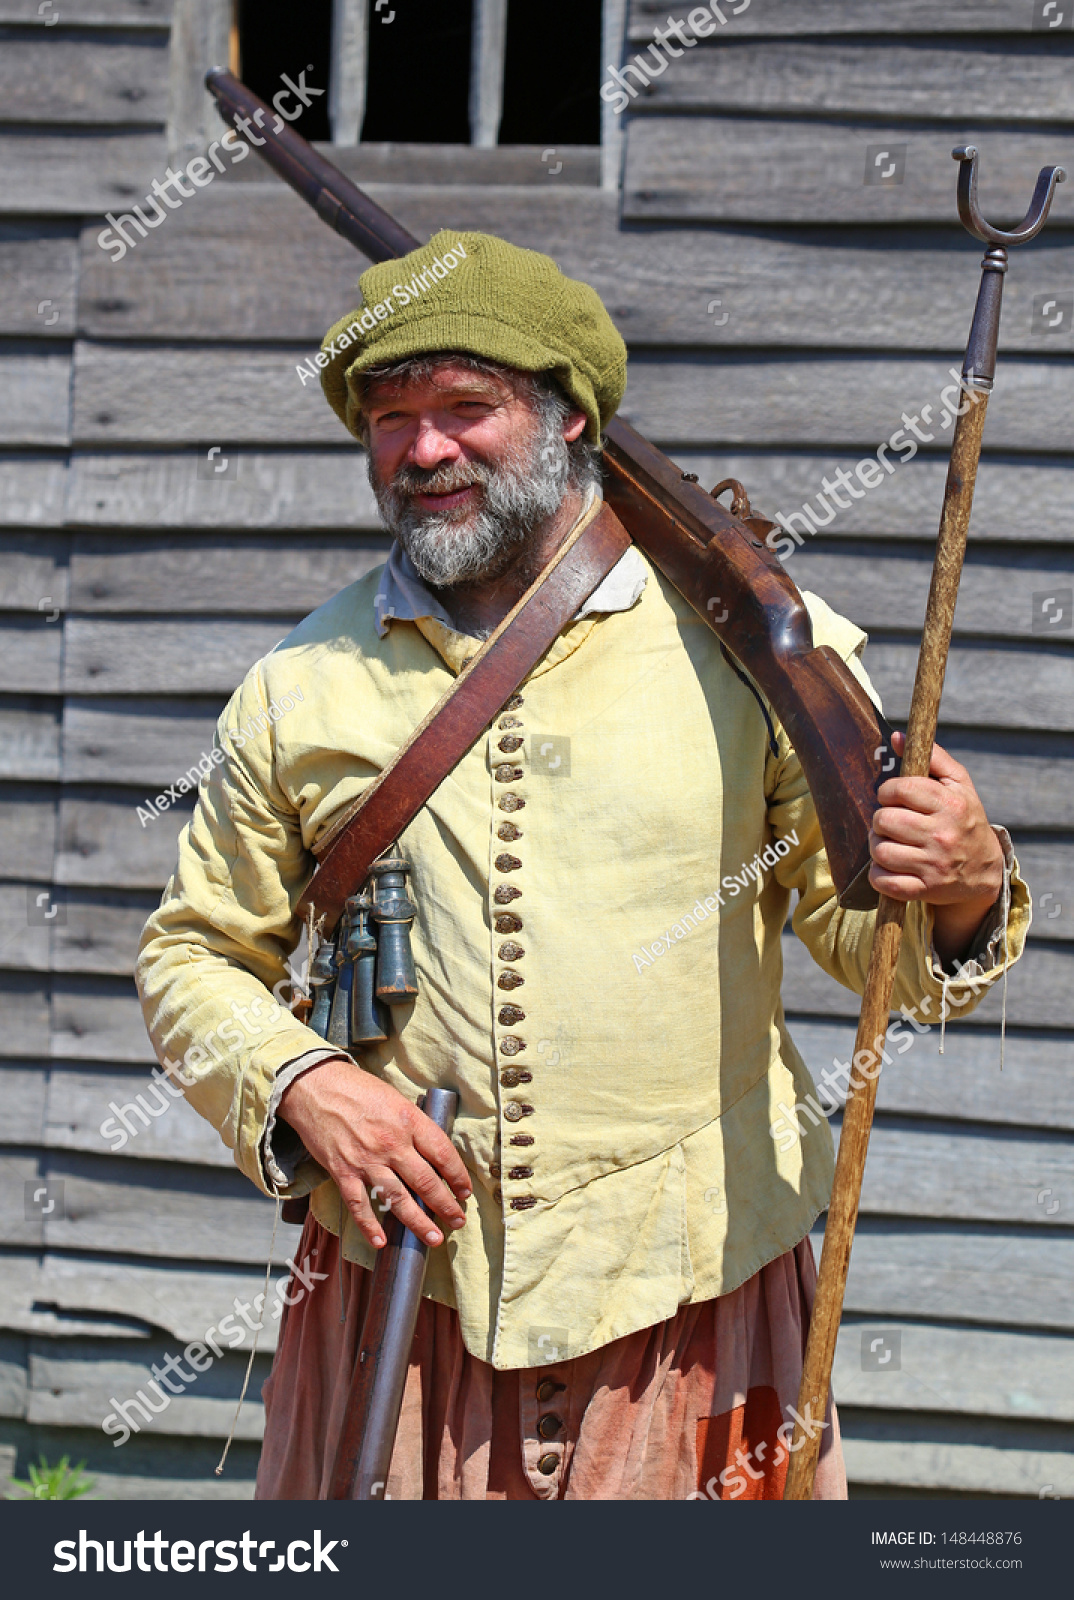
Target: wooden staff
{"x":977,"y":376}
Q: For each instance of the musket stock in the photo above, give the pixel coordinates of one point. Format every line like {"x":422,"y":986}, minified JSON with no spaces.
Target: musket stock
{"x":707,"y":554}
{"x":722,"y":566}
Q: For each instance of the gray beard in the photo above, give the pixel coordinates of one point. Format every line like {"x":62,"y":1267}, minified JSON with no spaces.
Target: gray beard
{"x":447,"y":548}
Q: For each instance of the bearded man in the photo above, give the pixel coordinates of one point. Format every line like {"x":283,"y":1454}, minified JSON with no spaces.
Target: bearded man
{"x":620,"y":1276}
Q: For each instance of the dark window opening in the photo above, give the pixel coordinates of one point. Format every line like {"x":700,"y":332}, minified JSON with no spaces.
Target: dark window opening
{"x":418,"y":82}
{"x":551,"y":89}
{"x":277,"y":37}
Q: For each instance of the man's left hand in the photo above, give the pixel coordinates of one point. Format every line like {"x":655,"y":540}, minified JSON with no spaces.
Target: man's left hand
{"x":931,"y":841}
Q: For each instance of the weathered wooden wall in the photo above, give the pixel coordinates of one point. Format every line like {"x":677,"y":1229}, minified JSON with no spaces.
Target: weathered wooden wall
{"x":782,"y":316}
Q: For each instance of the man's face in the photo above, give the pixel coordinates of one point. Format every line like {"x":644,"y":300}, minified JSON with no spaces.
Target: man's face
{"x":464,"y":468}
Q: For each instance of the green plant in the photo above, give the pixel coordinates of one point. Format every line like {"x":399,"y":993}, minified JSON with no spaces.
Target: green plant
{"x":59,"y":1482}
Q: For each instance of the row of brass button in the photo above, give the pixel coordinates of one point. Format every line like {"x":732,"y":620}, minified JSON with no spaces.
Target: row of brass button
{"x":511,"y":950}
{"x":548,"y":1425}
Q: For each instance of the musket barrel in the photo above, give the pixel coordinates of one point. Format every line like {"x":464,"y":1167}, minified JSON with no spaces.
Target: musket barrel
{"x":364,"y":1454}
{"x":333,"y":196}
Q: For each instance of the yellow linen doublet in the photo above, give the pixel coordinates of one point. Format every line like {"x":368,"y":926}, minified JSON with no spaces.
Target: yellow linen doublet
{"x":620,"y":1050}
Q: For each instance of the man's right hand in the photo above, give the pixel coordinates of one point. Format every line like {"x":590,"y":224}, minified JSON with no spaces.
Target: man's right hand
{"x":375,"y":1142}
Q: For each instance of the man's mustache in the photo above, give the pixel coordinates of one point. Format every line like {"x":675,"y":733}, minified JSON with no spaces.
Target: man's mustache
{"x":448,"y":478}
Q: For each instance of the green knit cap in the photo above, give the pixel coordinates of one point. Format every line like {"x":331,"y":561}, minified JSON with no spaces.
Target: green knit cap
{"x":475,"y":293}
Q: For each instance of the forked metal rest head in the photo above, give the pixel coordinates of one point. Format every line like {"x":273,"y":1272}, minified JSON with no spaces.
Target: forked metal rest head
{"x":979,"y":367}
{"x":970,"y":212}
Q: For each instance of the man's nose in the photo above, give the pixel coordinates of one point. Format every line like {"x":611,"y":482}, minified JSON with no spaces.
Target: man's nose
{"x":431,"y":447}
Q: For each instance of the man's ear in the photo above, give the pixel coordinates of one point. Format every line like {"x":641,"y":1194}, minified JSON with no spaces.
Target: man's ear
{"x":575,"y":426}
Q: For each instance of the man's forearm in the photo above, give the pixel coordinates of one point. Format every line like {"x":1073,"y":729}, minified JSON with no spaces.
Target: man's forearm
{"x":955,"y":927}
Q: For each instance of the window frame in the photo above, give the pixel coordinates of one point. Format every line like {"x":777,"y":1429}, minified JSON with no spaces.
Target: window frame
{"x":203,"y":36}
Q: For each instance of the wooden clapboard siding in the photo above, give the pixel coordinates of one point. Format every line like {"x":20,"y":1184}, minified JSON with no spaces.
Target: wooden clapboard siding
{"x":845,"y":305}
{"x":180,"y":1299}
{"x":34,"y":396}
{"x":120,"y":390}
{"x":94,"y":1019}
{"x":685,"y":399}
{"x":1011,"y":687}
{"x":157,"y":1467}
{"x":25,"y":1001}
{"x":78,"y":1382}
{"x":30,"y":651}
{"x":28,"y":820}
{"x":33,"y":573}
{"x":882,"y":586}
{"x":998,"y":1178}
{"x":77,"y":171}
{"x":280,"y":489}
{"x":155,"y":657}
{"x":271,"y":269}
{"x":25,"y":1096}
{"x":987,"y":685}
{"x":29,"y":738}
{"x":99,"y":931}
{"x":1021,"y":777}
{"x":103,"y":840}
{"x":952,"y":1369}
{"x":126,"y":14}
{"x":231,"y":573}
{"x":32,"y":491}
{"x":24,"y":943}
{"x":38,"y":264}
{"x":72,"y":75}
{"x":1019,"y":498}
{"x":222,"y":573}
{"x":140,"y":1120}
{"x":172,"y":1469}
{"x":1033,"y":1090}
{"x":974,"y":1273}
{"x":142,"y":1208}
{"x":691,"y":399}
{"x":918,"y":1453}
{"x":719,"y":169}
{"x":1007,"y":80}
{"x":146,"y":742}
{"x":462,"y":169}
{"x":1039,"y":990}
{"x":784,"y":18}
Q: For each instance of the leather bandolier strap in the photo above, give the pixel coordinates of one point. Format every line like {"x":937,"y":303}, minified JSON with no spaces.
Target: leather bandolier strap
{"x":373,"y":823}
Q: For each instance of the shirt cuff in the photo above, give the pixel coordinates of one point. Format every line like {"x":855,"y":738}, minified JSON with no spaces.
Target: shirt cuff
{"x":282,"y":1150}
{"x":988,"y":949}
